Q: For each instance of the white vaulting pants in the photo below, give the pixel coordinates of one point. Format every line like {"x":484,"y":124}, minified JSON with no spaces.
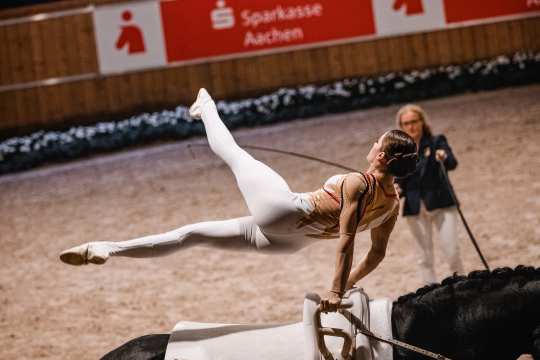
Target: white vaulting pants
{"x":445,"y":223}
{"x":274,"y":208}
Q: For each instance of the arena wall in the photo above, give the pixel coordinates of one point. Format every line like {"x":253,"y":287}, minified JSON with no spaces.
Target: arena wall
{"x":64,"y":47}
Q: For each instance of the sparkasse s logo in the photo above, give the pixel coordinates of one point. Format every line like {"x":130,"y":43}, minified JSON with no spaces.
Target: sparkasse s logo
{"x":222,"y":16}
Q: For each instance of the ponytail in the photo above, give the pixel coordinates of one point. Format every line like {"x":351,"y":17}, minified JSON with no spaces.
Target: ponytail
{"x":400,"y":153}
{"x":402,"y":165}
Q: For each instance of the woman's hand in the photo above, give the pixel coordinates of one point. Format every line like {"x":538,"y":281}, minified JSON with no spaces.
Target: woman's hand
{"x":330,"y":302}
{"x":440,"y":155}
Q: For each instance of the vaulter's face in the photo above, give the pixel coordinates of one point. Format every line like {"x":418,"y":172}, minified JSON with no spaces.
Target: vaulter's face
{"x":375,"y":149}
{"x":411,"y":123}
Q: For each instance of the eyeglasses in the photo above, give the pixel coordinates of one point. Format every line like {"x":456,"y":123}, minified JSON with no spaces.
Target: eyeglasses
{"x":410,"y":122}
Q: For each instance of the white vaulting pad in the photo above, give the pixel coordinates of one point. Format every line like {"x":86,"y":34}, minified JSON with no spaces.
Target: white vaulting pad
{"x":203,"y":341}
{"x":381,"y":324}
{"x":207,"y":341}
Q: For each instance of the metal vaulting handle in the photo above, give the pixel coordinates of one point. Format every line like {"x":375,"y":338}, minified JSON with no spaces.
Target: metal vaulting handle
{"x":328,"y":331}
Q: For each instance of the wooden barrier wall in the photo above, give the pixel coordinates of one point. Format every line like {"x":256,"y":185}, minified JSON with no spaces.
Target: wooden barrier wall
{"x":65,"y":46}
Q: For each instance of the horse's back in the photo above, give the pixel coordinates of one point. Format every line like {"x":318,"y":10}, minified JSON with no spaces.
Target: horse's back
{"x":210,"y":341}
{"x":204,"y":341}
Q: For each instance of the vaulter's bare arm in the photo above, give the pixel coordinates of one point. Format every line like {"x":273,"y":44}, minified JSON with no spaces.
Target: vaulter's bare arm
{"x":353,"y":188}
{"x":379,"y":242}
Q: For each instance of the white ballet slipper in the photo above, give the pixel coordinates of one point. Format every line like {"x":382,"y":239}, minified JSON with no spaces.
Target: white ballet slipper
{"x":195,"y":111}
{"x":93,"y":253}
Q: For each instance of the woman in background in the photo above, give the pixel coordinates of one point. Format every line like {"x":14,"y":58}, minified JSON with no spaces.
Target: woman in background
{"x":428,"y":201}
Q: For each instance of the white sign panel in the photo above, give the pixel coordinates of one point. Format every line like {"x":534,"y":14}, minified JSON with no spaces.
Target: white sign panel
{"x":129,"y":37}
{"x":394,"y":17}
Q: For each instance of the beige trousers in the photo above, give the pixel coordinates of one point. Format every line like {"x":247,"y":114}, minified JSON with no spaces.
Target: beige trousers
{"x":445,"y":223}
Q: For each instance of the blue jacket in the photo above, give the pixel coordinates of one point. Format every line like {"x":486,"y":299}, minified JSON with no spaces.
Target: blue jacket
{"x":427,"y":183}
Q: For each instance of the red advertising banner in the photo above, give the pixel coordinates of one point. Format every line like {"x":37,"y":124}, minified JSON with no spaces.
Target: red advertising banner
{"x":467,"y":10}
{"x":148,"y":34}
{"x":204,"y":29}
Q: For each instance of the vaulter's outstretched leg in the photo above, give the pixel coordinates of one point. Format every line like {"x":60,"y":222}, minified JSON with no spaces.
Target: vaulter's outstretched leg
{"x":237,"y":234}
{"x":266,"y":193}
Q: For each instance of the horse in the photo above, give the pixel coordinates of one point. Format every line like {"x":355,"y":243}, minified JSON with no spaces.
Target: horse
{"x":484,"y":315}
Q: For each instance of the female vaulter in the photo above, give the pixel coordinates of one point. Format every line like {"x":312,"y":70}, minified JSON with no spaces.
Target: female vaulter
{"x":280,"y":219}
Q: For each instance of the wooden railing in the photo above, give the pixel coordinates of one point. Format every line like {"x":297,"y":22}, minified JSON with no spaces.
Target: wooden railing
{"x":62,"y":51}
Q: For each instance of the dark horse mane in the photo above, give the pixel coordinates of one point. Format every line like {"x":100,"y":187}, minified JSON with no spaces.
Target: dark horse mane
{"x":476,"y":281}
{"x":484,"y":315}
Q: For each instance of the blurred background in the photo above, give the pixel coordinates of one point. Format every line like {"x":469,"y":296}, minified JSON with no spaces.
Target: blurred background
{"x":78,"y":62}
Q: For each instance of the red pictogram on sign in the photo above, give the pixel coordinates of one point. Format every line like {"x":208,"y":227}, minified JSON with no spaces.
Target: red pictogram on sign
{"x":130,"y":36}
{"x":412,"y":7}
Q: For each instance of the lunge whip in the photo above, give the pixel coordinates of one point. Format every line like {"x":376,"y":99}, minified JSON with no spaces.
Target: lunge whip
{"x":290,"y":153}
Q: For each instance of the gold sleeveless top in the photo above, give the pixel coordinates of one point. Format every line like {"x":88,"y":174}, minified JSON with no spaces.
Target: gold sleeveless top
{"x":375,"y":206}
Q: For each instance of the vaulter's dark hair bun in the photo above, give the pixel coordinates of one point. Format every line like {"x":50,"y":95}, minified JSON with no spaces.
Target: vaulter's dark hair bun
{"x":400,"y":153}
